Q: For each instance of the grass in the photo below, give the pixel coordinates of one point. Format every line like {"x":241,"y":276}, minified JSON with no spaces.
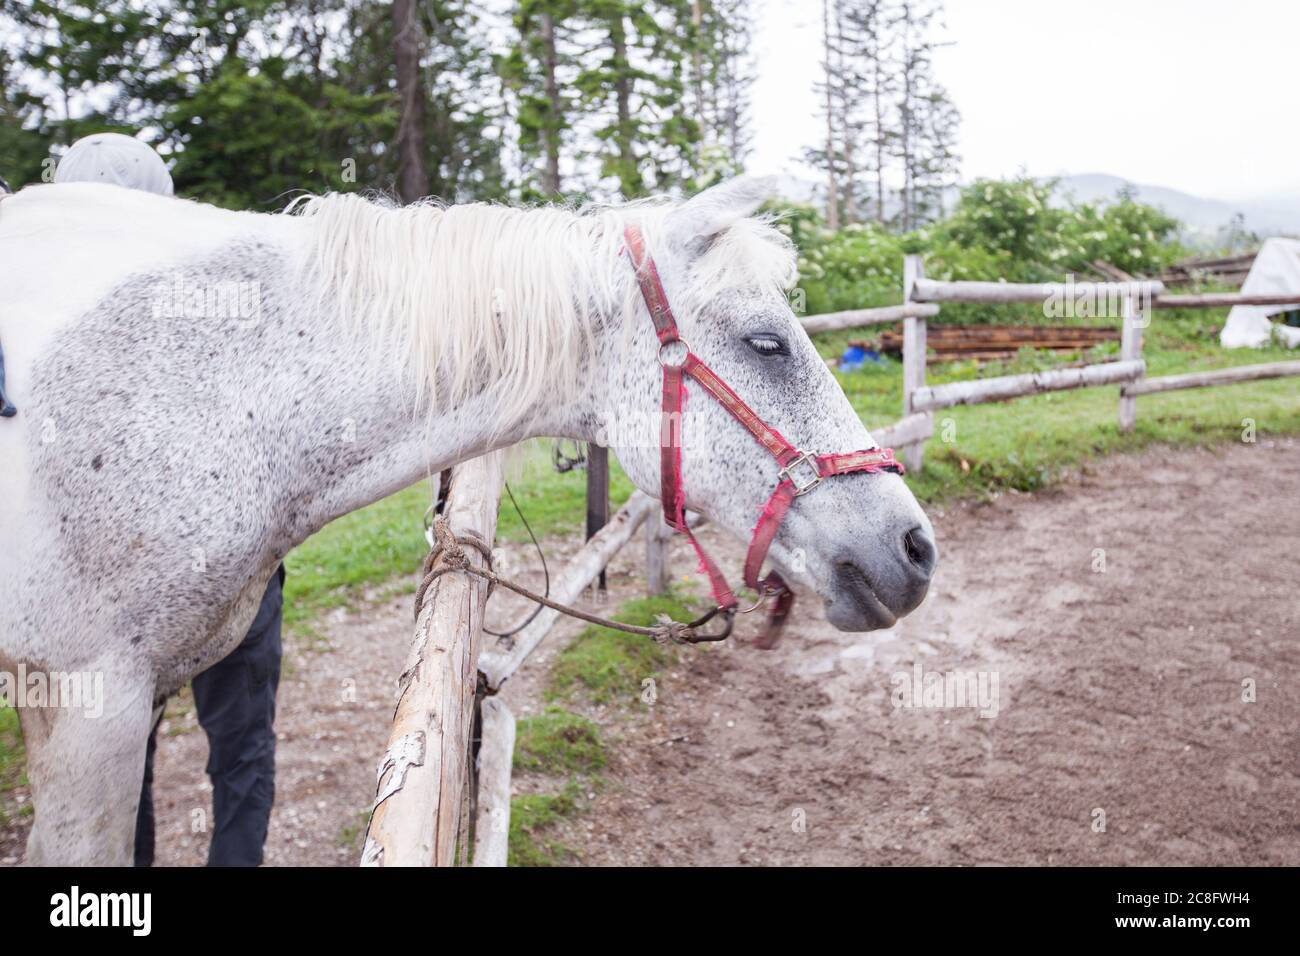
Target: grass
{"x":384,"y":542}
{"x":532,"y":815}
{"x":12,"y":765}
{"x":610,"y":665}
{"x":557,"y":742}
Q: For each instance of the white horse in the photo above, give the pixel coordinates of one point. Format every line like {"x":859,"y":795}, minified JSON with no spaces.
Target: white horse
{"x":199,"y":390}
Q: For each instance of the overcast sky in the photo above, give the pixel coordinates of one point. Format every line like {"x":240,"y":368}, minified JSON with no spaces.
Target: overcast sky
{"x":1197,"y":95}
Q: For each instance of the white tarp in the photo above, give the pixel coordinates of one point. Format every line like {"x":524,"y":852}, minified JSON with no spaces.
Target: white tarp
{"x":1276,"y":271}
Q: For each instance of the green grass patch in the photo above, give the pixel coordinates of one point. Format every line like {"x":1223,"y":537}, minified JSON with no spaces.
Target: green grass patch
{"x":531,"y":817}
{"x":12,"y":764}
{"x":610,"y":665}
{"x":558,"y":742}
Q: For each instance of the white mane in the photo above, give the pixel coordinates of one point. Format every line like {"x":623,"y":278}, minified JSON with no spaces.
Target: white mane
{"x":472,"y":294}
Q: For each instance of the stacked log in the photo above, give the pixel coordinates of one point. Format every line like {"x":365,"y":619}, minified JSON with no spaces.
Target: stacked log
{"x":985,"y":343}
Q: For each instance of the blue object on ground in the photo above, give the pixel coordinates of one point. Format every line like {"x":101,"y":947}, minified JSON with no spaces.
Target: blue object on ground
{"x":852,"y":359}
{"x":855,"y":358}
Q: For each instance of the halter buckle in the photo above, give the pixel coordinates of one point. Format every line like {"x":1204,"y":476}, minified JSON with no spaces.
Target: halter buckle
{"x":810,"y":463}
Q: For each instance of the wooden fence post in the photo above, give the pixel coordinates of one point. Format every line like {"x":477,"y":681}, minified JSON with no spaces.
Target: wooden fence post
{"x":913,"y":357}
{"x":420,"y":786}
{"x":597,"y":495}
{"x":658,"y":537}
{"x":1130,"y":347}
{"x":496,"y":755}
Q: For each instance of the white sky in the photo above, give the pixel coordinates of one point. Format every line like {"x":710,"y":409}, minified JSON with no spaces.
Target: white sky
{"x":1197,"y":95}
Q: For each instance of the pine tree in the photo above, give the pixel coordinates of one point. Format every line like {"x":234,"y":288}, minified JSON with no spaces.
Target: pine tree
{"x":631,"y":85}
{"x":722,"y":74}
{"x":538,"y":68}
{"x":927,"y":120}
{"x":889,"y":125}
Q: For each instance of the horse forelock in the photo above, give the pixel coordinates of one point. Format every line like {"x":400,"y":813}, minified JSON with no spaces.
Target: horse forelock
{"x":465,"y":297}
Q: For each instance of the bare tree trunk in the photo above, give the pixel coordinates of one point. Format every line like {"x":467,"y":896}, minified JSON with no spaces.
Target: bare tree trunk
{"x":879,"y":95}
{"x":697,"y":58}
{"x":623,"y":98}
{"x":551,"y":179}
{"x":412,"y":173}
{"x":832,"y":192}
{"x":846,"y":125}
{"x":905,"y":117}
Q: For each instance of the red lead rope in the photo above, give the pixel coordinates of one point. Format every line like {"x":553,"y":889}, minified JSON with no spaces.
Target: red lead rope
{"x":799,"y":472}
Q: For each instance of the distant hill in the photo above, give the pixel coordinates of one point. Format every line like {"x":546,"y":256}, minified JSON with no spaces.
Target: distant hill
{"x":1203,"y":218}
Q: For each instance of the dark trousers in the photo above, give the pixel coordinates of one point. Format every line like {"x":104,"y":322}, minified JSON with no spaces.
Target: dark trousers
{"x":235,"y":701}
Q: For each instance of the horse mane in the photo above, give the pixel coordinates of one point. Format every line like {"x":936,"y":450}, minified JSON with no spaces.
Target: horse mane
{"x":467,"y":295}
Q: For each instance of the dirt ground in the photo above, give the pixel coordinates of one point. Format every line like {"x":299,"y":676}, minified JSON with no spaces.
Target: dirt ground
{"x":1119,"y":613}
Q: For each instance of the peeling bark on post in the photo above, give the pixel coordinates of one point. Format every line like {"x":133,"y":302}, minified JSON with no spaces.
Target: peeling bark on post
{"x":422,"y":775}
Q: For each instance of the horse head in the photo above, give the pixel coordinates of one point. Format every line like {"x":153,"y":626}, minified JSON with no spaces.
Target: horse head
{"x":860,"y":540}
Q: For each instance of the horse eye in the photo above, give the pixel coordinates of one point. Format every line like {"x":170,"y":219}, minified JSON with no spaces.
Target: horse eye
{"x":767,"y":345}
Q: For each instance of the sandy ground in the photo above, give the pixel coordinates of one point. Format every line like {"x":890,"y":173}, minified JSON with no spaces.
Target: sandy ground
{"x":1120,"y":736}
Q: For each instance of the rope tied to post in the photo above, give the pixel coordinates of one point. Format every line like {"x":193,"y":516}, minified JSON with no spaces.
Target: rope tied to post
{"x":448,"y":554}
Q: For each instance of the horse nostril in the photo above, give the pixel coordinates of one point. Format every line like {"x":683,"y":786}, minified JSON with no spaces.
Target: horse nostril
{"x":919,"y":548}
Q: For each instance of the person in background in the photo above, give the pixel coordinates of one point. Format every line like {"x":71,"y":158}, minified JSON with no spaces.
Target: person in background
{"x":235,"y":698}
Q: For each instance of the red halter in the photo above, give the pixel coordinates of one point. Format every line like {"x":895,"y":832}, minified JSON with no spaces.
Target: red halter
{"x":799,"y":472}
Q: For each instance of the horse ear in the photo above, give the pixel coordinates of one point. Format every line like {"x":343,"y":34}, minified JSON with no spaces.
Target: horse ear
{"x":705,"y":215}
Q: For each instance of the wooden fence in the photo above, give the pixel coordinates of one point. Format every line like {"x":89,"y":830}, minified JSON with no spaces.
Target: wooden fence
{"x":1136,"y":300}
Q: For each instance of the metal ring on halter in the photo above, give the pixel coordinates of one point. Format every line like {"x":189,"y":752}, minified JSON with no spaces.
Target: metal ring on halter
{"x":679,"y":341}
{"x":763,"y":595}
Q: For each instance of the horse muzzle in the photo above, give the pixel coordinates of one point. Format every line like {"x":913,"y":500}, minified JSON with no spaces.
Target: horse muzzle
{"x":870,"y":590}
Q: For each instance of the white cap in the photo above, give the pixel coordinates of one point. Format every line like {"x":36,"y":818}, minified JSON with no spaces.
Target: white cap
{"x":114,"y":158}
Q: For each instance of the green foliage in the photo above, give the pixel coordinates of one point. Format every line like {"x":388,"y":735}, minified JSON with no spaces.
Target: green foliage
{"x":556,"y":743}
{"x":1000,"y":229}
{"x":251,"y":101}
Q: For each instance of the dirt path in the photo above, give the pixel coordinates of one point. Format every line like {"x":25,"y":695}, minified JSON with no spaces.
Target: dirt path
{"x":1119,"y":692}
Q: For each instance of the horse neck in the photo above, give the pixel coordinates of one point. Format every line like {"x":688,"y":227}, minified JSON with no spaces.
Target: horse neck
{"x":375,"y":435}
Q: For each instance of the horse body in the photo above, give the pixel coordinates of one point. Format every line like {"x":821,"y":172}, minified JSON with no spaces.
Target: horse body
{"x":166,"y":455}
